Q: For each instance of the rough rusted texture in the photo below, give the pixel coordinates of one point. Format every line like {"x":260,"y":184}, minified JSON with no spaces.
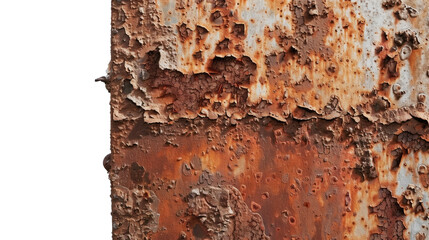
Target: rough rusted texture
{"x":223,"y":214}
{"x":390,"y":216}
{"x":250,"y":119}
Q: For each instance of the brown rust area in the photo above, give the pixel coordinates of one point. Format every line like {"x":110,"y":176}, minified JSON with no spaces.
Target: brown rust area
{"x":312,"y":21}
{"x":249,"y":156}
{"x":135,"y":212}
{"x":294,"y":175}
{"x":223,"y":214}
{"x":390,"y":217}
{"x":226,"y":78}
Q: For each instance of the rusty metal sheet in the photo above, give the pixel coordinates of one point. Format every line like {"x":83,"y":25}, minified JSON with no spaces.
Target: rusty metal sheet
{"x":251,"y":119}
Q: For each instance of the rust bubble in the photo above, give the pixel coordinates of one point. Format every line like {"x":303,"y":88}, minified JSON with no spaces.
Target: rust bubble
{"x":292,"y":220}
{"x":255,"y":207}
{"x":265,"y":195}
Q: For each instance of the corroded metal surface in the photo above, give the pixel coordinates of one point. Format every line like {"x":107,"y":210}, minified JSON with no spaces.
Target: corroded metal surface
{"x":251,"y":119}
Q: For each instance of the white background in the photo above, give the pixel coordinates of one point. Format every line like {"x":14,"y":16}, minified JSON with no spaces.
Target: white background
{"x":54,"y":119}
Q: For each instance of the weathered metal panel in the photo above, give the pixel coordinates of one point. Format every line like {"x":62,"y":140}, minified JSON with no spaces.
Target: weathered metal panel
{"x":252,"y":119}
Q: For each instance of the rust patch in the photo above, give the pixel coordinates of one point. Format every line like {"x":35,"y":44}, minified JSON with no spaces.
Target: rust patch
{"x":312,"y":20}
{"x":134,"y":211}
{"x":390,"y":217}
{"x":391,"y":3}
{"x":180,"y":93}
{"x":223,"y":214}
